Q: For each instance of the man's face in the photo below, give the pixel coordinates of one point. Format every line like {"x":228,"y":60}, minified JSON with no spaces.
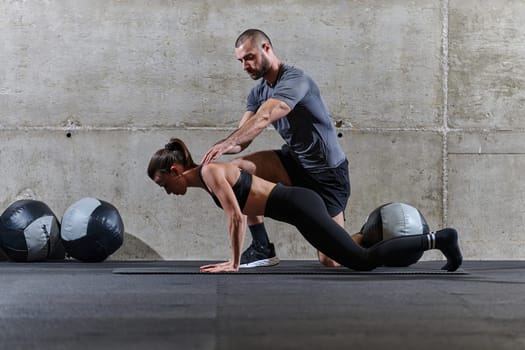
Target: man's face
{"x":254,"y":59}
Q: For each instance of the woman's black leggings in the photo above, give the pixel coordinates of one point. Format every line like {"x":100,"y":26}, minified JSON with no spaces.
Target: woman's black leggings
{"x":305,"y":209}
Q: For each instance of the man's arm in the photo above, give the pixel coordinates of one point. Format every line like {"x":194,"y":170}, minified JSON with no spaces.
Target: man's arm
{"x":251,"y":126}
{"x":247,"y":115}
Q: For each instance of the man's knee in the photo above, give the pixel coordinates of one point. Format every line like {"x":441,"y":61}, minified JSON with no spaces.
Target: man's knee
{"x":264,"y":164}
{"x":245,"y":165}
{"x":326,"y":261}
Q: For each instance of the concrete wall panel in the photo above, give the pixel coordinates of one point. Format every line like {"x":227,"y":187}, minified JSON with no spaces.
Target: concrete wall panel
{"x":111,"y":165}
{"x":105,"y":64}
{"x":486,"y":187}
{"x":486,"y":200}
{"x":487,"y":60}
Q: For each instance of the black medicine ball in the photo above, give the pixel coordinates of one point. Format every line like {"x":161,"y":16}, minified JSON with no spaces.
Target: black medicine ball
{"x":394,"y":220}
{"x":29,"y":231}
{"x":92,"y":230}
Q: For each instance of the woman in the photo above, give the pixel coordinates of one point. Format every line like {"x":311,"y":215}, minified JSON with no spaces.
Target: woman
{"x":240,"y":193}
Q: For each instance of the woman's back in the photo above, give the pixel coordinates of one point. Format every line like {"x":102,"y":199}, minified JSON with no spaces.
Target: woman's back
{"x":258,"y":191}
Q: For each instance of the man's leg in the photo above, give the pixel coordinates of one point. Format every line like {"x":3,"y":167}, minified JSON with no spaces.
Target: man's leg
{"x":267,"y":165}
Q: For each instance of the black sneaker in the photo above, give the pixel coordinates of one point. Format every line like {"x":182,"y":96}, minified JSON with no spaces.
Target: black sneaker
{"x":257,"y":255}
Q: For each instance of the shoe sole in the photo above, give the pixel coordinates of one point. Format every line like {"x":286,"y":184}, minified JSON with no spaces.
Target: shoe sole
{"x":260,"y":263}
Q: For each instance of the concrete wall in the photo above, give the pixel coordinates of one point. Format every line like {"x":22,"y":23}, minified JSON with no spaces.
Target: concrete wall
{"x":427,"y":94}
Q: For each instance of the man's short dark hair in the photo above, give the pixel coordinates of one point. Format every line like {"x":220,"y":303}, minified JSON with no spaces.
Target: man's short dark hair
{"x":252,"y":34}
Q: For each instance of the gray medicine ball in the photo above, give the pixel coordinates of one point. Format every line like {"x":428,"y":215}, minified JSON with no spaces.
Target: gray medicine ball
{"x":393,"y":220}
{"x":91,"y":230}
{"x":29,"y":231}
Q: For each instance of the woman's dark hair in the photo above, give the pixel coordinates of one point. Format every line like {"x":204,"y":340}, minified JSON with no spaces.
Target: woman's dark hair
{"x":174,"y":152}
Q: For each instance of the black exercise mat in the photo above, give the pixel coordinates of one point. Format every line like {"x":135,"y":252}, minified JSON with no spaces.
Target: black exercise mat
{"x":288,"y":268}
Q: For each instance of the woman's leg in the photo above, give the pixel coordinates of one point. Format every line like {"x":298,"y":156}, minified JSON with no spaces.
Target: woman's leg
{"x":445,"y":240}
{"x":304,"y":209}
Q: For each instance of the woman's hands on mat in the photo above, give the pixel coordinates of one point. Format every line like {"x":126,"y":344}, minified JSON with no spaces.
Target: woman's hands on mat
{"x":226,"y":266}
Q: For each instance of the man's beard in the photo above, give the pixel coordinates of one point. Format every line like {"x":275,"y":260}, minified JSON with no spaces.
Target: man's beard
{"x":259,"y":73}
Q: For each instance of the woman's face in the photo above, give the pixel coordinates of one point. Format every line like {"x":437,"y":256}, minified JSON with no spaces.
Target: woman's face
{"x":173,"y":182}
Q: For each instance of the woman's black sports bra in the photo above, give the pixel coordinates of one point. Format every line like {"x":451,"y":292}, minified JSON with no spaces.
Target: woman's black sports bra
{"x":241,"y":188}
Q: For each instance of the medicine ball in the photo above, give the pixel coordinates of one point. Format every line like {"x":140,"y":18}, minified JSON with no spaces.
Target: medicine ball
{"x":29,"y":231}
{"x":92,"y":230}
{"x":393,"y":220}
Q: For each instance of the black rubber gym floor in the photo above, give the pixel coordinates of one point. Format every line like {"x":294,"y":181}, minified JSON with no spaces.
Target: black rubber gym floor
{"x":295,"y":305}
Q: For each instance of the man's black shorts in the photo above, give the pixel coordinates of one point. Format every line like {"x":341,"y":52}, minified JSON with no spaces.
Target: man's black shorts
{"x":333,"y":185}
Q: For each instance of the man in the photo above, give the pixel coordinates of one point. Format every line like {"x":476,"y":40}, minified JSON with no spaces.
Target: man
{"x":290,"y":100}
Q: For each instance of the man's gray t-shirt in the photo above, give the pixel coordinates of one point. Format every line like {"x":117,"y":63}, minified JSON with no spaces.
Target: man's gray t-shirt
{"x":308,"y":129}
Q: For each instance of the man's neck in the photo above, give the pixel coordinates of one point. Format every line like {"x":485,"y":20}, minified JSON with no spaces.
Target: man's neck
{"x":273,"y":74}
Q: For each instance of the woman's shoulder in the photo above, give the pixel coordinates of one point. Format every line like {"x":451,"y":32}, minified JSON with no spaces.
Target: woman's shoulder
{"x":215,"y":166}
{"x":218,"y":169}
